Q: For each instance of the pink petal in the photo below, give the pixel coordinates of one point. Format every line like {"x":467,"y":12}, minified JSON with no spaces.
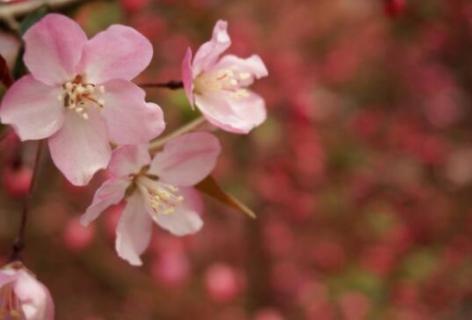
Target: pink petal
{"x":134,"y":230}
{"x":209,"y":52}
{"x":53,"y":48}
{"x":130,"y":120}
{"x":32,"y":108}
{"x":184,"y":220}
{"x":250,"y":109}
{"x":80,"y":148}
{"x":128,"y":159}
{"x":254,"y":66}
{"x":35,"y":298}
{"x":187,"y":77}
{"x":119,"y":52}
{"x":7,"y":275}
{"x":192,"y":199}
{"x":111,"y":192}
{"x":236,"y":115}
{"x":186,"y":160}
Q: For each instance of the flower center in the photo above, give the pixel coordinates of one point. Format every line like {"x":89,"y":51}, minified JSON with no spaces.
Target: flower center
{"x":223,"y":79}
{"x":163,"y":197}
{"x":78,"y":95}
{"x":10,"y":305}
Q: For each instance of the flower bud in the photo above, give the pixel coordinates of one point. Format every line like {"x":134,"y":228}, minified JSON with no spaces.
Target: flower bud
{"x":76,"y":236}
{"x":22,"y":296}
{"x":16,"y":181}
{"x":222,"y":282}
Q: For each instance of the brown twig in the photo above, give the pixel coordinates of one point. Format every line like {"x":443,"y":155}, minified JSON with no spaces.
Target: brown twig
{"x":12,"y":10}
{"x":172,"y":85}
{"x":19,"y":243}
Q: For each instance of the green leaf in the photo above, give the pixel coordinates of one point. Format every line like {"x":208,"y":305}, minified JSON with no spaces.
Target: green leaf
{"x":211,"y":188}
{"x":20,"y":69}
{"x":32,"y":18}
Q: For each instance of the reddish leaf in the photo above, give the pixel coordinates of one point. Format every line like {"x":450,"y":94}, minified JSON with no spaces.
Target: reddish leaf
{"x":5,"y":76}
{"x":211,"y":188}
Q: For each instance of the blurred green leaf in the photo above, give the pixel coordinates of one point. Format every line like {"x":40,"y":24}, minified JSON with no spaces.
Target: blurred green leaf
{"x":420,"y":264}
{"x":98,"y":15}
{"x":359,"y":280}
{"x":20,"y":69}
{"x":32,"y":18}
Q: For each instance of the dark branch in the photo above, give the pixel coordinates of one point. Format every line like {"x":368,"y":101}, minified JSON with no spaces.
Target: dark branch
{"x":19,"y":243}
{"x":172,"y":85}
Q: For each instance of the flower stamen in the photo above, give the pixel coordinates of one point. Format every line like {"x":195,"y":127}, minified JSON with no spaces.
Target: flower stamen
{"x":228,"y":79}
{"x":78,"y":94}
{"x":163,"y":197}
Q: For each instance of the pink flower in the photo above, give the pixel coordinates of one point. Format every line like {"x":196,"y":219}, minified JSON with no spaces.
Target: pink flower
{"x":22,"y":296}
{"x":79,"y":94}
{"x":155,"y":190}
{"x":217,"y":86}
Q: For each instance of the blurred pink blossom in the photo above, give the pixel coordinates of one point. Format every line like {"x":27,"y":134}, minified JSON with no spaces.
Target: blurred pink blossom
{"x":17,"y":181}
{"x":354,"y":306}
{"x":171,"y":268}
{"x":222,"y":282}
{"x":76,"y":236}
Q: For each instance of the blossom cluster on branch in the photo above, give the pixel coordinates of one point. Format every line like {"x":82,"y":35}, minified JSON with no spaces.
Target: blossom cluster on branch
{"x":79,"y":95}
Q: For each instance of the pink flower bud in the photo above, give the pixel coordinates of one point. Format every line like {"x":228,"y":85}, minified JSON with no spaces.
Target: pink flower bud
{"x":22,"y":296}
{"x":17,"y":181}
{"x":222,"y":282}
{"x":171,"y":269}
{"x":76,"y":236}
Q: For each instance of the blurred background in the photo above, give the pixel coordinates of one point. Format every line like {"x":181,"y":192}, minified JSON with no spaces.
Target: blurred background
{"x":361,"y":177}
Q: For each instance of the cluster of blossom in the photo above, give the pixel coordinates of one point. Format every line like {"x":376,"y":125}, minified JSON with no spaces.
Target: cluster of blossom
{"x":80,"y":97}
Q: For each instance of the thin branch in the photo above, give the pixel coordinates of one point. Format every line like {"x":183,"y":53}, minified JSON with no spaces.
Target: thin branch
{"x":193,"y":125}
{"x":9,"y":11}
{"x":19,"y":243}
{"x":172,"y":85}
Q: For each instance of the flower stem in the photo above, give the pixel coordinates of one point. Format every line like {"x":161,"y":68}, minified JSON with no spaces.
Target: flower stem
{"x":172,"y":85}
{"x":155,"y":145}
{"x":19,"y":243}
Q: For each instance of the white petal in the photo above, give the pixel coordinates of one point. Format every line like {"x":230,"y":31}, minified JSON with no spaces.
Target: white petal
{"x":128,"y":159}
{"x":186,"y":160}
{"x":80,"y":148}
{"x":110,"y":192}
{"x":33,"y":109}
{"x":134,"y":230}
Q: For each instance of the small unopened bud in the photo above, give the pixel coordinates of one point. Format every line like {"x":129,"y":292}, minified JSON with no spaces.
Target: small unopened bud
{"x":76,"y":236}
{"x":222,"y":282}
{"x":16,"y":181}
